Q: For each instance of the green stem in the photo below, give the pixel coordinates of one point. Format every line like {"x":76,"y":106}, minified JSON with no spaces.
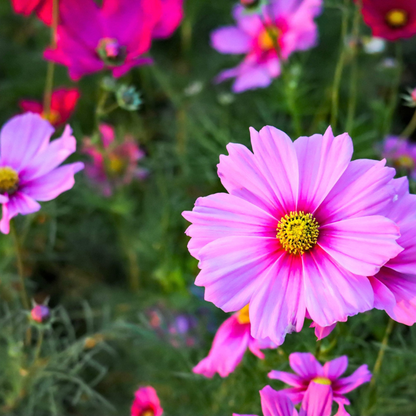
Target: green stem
{"x":39,"y":345}
{"x":411,"y":127}
{"x":20,"y":268}
{"x":340,"y":67}
{"x":318,"y":349}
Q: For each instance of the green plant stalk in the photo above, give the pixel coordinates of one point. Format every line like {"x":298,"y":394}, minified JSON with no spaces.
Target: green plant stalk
{"x":20,"y":268}
{"x":339,"y":68}
{"x":411,"y":127}
{"x":38,"y":346}
{"x":47,"y":96}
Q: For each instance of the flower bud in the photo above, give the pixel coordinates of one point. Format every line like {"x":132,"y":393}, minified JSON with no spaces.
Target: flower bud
{"x":40,"y":313}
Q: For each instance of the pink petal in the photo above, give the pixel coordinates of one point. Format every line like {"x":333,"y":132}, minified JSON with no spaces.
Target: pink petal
{"x":322,"y":160}
{"x":31,"y":106}
{"x":232,"y":268}
{"x":288,"y":378}
{"x":251,"y":77}
{"x":361,"y":245}
{"x":275,"y":403}
{"x":342,"y":411}
{"x":322,"y":332}
{"x":335,"y":368}
{"x":347,"y":384}
{"x":331,"y":292}
{"x":277,"y":306}
{"x":172,"y":14}
{"x":305,"y":364}
{"x":317,"y":400}
{"x":229,"y":345}
{"x":33,"y":132}
{"x":231,"y":40}
{"x":250,"y":23}
{"x":383,"y":298}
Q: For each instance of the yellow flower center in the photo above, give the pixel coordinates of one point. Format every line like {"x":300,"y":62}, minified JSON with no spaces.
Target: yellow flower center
{"x":9,"y":179}
{"x":268,"y":38}
{"x":53,"y":116}
{"x":243,"y":316}
{"x":148,"y":413}
{"x":115,"y":164}
{"x":322,"y":380}
{"x":397,"y":18}
{"x":405,"y":162}
{"x":297,"y":232}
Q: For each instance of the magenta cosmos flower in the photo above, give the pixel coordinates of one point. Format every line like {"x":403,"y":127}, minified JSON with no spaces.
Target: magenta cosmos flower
{"x":171,"y":17}
{"x":390,"y":19}
{"x":286,"y":26}
{"x":146,"y":403}
{"x":230,"y":343}
{"x":113,"y":164}
{"x":308,"y":371}
{"x":113,"y":37}
{"x":42,"y":8}
{"x":401,"y":153}
{"x":299,"y":231}
{"x":317,"y":402}
{"x":29,"y":165}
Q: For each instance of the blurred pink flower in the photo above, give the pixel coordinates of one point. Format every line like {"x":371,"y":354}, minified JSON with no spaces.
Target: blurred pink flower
{"x":230,"y":343}
{"x":300,"y":230}
{"x":172,"y":14}
{"x":317,"y":402}
{"x":401,"y":153}
{"x":63,"y":102}
{"x":40,"y":313}
{"x":114,"y":36}
{"x":42,"y":8}
{"x":146,"y":403}
{"x":29,"y":163}
{"x":284,"y":27}
{"x":309,"y":371}
{"x":112,"y":164}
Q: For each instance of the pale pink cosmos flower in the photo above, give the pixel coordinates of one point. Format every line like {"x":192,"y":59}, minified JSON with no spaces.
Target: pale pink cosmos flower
{"x":114,"y":36}
{"x":146,"y":403}
{"x":29,"y":165}
{"x":285,"y":26}
{"x":309,"y":371}
{"x":317,"y":402}
{"x":230,"y":343}
{"x":113,"y":164}
{"x":299,"y":231}
{"x":400,"y":153}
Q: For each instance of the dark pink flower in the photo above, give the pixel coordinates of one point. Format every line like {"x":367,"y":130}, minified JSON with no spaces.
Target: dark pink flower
{"x":283,"y":27}
{"x":113,"y":37}
{"x":29,"y":165}
{"x":317,"y":402}
{"x":63,"y":104}
{"x":113,"y":164}
{"x":172,"y":14}
{"x":146,"y":403}
{"x":308,"y":371}
{"x":230,"y":343}
{"x":390,"y":19}
{"x":40,"y":313}
{"x":42,"y":8}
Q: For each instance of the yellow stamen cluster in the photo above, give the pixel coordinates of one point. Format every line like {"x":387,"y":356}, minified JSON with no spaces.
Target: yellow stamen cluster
{"x":397,"y":18}
{"x":322,"y":380}
{"x":53,"y":116}
{"x":9,"y":179}
{"x":116,"y":164}
{"x":148,"y":413}
{"x":297,"y":232}
{"x":268,"y":38}
{"x":243,"y":316}
{"x":405,"y":162}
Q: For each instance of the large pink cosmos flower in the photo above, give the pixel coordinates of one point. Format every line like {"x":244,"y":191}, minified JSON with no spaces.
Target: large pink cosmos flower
{"x":286,"y":25}
{"x":113,"y":164}
{"x":42,"y":8}
{"x":317,"y":402}
{"x":172,"y":14}
{"x":146,"y":403}
{"x":29,"y":163}
{"x":113,"y":37}
{"x":230,"y":343}
{"x":300,"y":230}
{"x":309,"y":371}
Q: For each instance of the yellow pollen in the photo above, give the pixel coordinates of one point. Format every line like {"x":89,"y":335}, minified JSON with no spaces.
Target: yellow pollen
{"x":243,"y":316}
{"x":9,"y":179}
{"x":397,"y":18}
{"x":148,"y":413}
{"x":268,"y":38}
{"x":115,"y":164}
{"x":297,"y":232}
{"x":322,"y":380}
{"x":405,"y":162}
{"x":53,"y":116}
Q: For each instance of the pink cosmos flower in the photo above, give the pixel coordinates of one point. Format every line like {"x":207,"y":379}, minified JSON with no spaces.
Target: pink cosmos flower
{"x":317,"y":402}
{"x":299,"y":231}
{"x":42,"y":8}
{"x":230,"y":343}
{"x":286,"y":25}
{"x":112,"y":37}
{"x":401,"y":153}
{"x":112,"y":164}
{"x":29,"y":165}
{"x":146,"y":403}
{"x":172,"y":15}
{"x":309,"y":370}
{"x":63,"y":104}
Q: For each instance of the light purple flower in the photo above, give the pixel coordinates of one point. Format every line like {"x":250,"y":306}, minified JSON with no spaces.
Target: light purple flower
{"x":29,"y":165}
{"x":283,"y":27}
{"x":401,"y":153}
